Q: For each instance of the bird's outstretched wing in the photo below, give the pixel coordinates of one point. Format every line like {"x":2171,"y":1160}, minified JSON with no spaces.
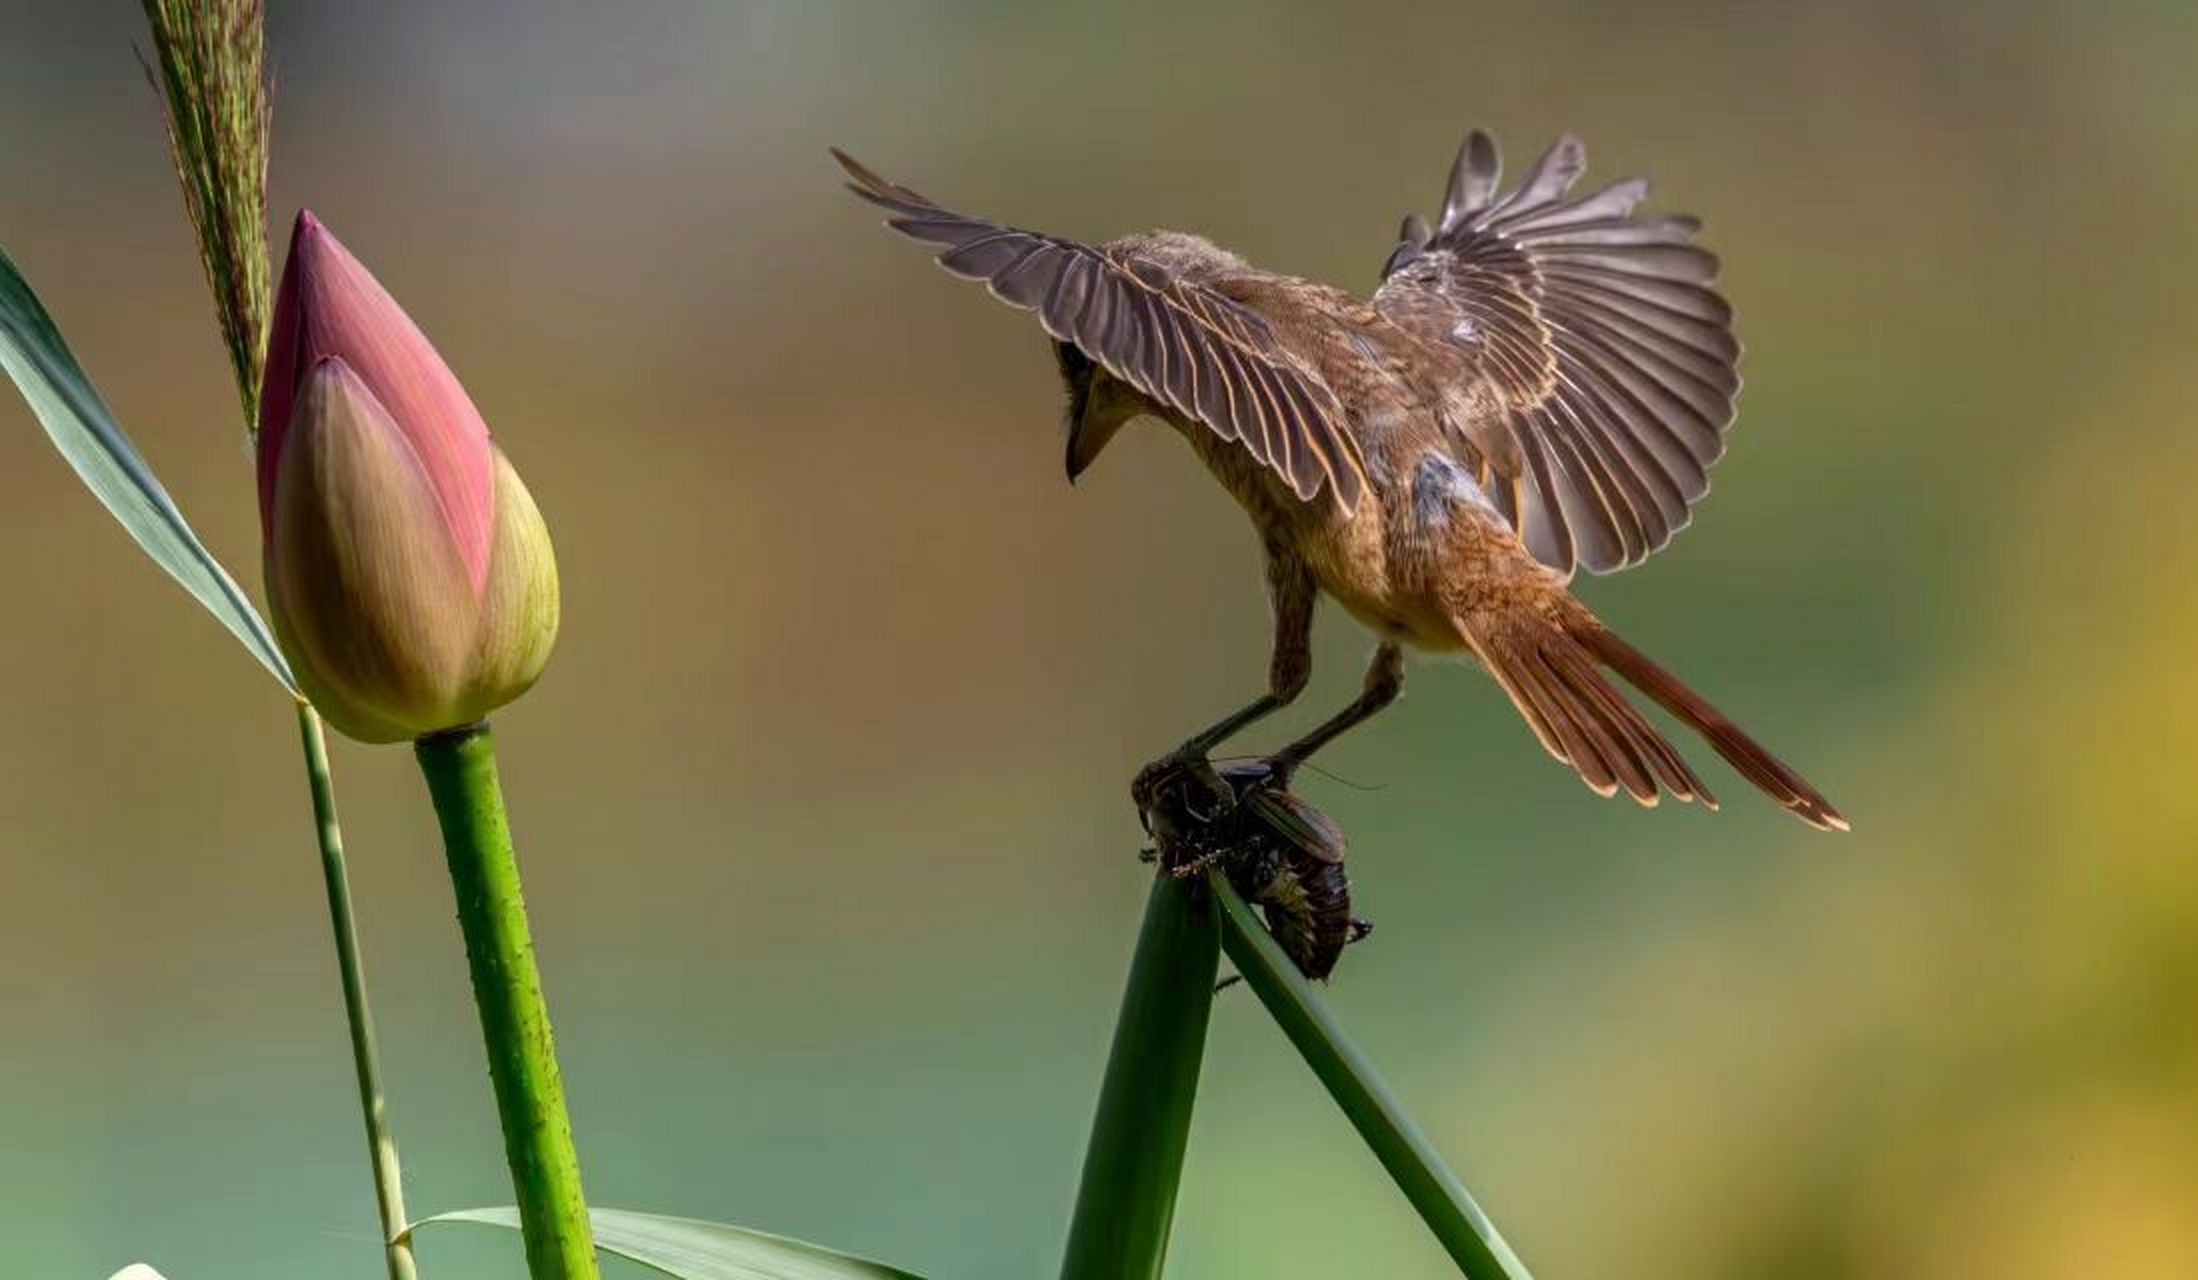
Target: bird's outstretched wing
{"x":1183,"y":344}
{"x":1603,"y":361}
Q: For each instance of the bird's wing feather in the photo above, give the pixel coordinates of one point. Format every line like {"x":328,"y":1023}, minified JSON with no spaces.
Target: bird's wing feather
{"x":1209,"y":357}
{"x":1596,"y":362}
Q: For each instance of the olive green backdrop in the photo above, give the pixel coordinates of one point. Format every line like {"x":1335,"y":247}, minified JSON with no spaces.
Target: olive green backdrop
{"x":823,"y":801}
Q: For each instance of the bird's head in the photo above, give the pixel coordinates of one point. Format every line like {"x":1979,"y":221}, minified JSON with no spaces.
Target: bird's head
{"x":1179,"y":254}
{"x":1098,"y":402}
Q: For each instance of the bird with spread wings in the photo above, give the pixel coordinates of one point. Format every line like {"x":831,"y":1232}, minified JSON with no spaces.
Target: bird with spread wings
{"x":1540,"y":383}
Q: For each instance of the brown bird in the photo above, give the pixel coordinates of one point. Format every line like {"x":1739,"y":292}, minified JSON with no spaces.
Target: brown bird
{"x":1540,"y":383}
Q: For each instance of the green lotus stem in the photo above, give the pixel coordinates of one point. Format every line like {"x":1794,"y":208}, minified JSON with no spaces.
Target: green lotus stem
{"x":381,"y":1142}
{"x":1441,"y":1200}
{"x":1126,"y":1202}
{"x":460,"y":767}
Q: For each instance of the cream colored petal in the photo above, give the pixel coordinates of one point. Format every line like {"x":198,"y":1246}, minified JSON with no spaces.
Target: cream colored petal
{"x":519,"y":610}
{"x":341,"y":708}
{"x":371,"y":599}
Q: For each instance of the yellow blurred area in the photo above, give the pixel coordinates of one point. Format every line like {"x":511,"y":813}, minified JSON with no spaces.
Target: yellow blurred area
{"x":822,"y":800}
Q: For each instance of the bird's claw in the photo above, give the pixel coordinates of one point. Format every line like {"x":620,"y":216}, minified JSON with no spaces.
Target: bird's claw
{"x":1184,"y":785}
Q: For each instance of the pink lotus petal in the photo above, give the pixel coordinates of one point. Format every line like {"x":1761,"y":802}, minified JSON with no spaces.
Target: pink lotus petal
{"x":331,"y":306}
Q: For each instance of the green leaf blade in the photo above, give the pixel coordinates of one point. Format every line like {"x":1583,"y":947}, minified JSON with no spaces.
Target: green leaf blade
{"x":63,"y":400}
{"x":1125,"y":1201}
{"x":1433,"y":1190}
{"x":692,"y":1249}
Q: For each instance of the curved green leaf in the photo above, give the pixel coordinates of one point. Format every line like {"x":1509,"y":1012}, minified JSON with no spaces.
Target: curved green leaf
{"x":1442,"y":1201}
{"x":692,"y":1249}
{"x":62,"y":398}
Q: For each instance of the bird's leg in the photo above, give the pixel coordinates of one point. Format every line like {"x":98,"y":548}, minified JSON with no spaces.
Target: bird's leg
{"x":1384,"y":681}
{"x":1292,"y":589}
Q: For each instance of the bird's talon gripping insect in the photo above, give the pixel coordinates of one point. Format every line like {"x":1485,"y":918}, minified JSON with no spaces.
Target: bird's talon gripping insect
{"x":1181,"y":784}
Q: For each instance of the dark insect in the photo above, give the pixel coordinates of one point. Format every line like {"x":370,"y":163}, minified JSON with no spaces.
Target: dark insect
{"x":1290,"y":865}
{"x":1282,"y":854}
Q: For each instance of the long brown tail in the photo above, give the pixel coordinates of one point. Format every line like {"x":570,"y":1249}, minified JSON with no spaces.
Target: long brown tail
{"x":1548,"y":665}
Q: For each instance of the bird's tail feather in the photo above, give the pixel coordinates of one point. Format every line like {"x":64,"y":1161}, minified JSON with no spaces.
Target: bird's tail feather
{"x":1549,"y":666}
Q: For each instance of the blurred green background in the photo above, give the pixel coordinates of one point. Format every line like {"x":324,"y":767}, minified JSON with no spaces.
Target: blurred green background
{"x":822,"y":804}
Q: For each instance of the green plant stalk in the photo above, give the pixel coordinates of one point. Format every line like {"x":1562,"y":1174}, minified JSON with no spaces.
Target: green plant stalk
{"x":460,"y":767}
{"x":1126,"y":1202}
{"x":1441,"y":1200}
{"x":381,"y":1143}
{"x":209,"y":66}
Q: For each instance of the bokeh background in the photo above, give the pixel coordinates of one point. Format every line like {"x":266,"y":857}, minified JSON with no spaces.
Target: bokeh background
{"x":822,"y":804}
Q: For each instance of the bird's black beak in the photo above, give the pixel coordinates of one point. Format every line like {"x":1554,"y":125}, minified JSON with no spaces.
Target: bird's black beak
{"x":1087,"y":435}
{"x":1085,"y":439}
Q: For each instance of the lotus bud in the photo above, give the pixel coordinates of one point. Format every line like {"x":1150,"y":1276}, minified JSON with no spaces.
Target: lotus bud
{"x":409,"y":573}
